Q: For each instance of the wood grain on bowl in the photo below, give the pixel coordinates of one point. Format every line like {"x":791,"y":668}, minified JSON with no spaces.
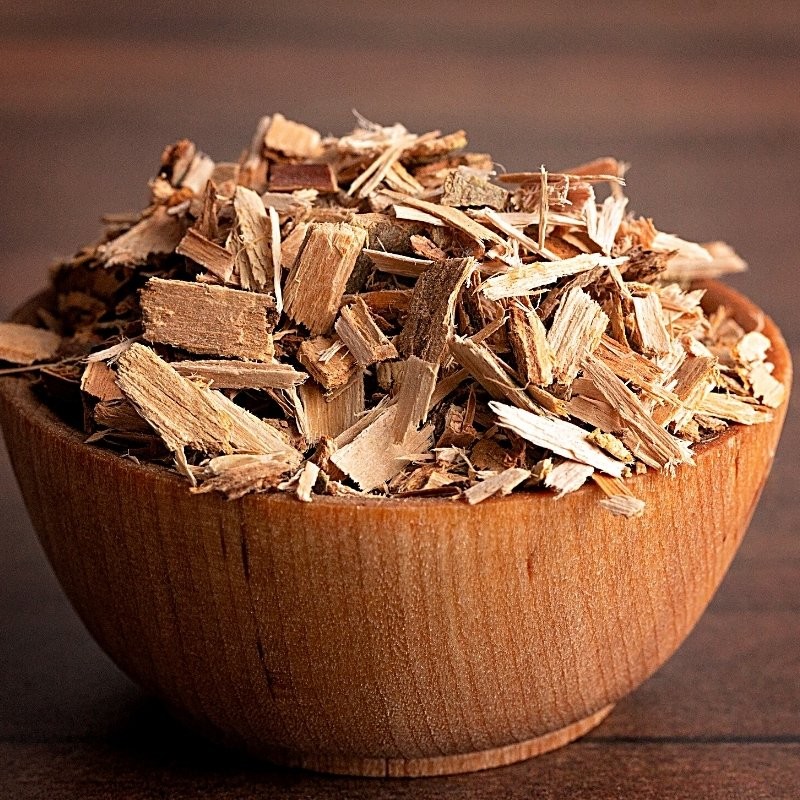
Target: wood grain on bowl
{"x":402,"y":637}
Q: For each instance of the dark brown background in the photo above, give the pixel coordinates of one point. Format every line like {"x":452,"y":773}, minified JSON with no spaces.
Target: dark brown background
{"x":703,"y":103}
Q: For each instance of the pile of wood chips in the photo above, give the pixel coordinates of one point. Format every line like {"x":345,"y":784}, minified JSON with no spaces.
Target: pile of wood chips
{"x":383,"y":313}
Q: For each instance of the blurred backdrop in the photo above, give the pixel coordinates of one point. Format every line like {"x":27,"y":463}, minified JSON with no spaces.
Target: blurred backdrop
{"x":701,"y":99}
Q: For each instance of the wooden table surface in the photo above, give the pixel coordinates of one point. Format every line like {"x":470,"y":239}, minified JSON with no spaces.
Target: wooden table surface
{"x":704,"y":105}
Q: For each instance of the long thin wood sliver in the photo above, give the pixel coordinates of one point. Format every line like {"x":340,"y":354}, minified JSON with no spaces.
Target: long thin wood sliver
{"x":561,"y":437}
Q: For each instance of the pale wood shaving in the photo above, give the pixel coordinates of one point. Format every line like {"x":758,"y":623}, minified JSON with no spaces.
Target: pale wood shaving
{"x":414,"y":396}
{"x":563,"y":438}
{"x":577,"y":328}
{"x":372,"y":457}
{"x":25,"y":345}
{"x":520,"y":281}
{"x":567,"y":476}
{"x":501,"y":483}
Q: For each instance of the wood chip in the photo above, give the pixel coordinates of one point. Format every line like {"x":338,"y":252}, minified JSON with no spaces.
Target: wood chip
{"x":577,"y":328}
{"x":567,"y":476}
{"x":429,"y":323}
{"x":335,"y":371}
{"x":291,"y":139}
{"x":317,"y":280}
{"x":521,"y":281}
{"x":24,"y":344}
{"x":464,"y":189}
{"x":563,"y":438}
{"x":157,"y":234}
{"x":226,"y":374}
{"x":305,"y":483}
{"x":329,"y":416}
{"x":619,"y":499}
{"x":217,"y":260}
{"x":652,"y":337}
{"x":528,"y":339}
{"x":99,"y":381}
{"x":502,"y":483}
{"x":212,"y":320}
{"x":363,"y":338}
{"x":290,"y":177}
{"x":372,"y":458}
{"x":255,"y":262}
{"x":414,"y":396}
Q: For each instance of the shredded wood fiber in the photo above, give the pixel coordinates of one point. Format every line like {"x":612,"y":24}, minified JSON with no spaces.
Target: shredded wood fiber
{"x":382,"y":313}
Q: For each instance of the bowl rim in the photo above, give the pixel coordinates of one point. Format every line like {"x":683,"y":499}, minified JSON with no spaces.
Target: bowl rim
{"x":19,"y":389}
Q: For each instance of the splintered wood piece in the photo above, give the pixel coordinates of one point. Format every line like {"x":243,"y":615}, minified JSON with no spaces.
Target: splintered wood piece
{"x":619,"y":498}
{"x":652,"y":444}
{"x":317,"y":280}
{"x":425,"y":149}
{"x":502,"y":483}
{"x":213,"y":320}
{"x":25,"y":344}
{"x":395,"y":264}
{"x":414,"y":396}
{"x":595,"y":412}
{"x":426,"y":249}
{"x":100,"y":382}
{"x":277,"y":255}
{"x":725,"y":406}
{"x":306,"y":480}
{"x":181,"y":412}
{"x":577,"y":328}
{"x":364,"y":339}
{"x":292,"y":243}
{"x":563,"y":438}
{"x":215,"y":259}
{"x":334,"y":369}
{"x":372,"y":458}
{"x":120,"y":415}
{"x":249,"y":434}
{"x":225,"y":374}
{"x":490,"y":373}
{"x":520,"y":281}
{"x":651,"y":333}
{"x":693,"y":380}
{"x":157,"y":234}
{"x":290,"y":177}
{"x":292,"y":139}
{"x":238,"y":475}
{"x":451,"y":216}
{"x":331,"y":416}
{"x":528,"y":339}
{"x":567,"y":476}
{"x":464,"y":189}
{"x":255,"y":268}
{"x":409,"y":214}
{"x":429,"y":323}
{"x":628,"y":364}
{"x":769,"y":391}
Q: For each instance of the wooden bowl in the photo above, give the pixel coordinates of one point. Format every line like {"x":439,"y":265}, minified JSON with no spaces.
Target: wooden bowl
{"x":403,"y":637}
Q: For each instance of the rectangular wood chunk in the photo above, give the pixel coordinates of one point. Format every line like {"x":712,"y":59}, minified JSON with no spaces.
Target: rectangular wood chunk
{"x":212,"y":320}
{"x":317,"y":280}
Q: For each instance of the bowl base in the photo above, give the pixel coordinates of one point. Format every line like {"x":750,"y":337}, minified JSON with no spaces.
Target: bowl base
{"x":450,"y":764}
